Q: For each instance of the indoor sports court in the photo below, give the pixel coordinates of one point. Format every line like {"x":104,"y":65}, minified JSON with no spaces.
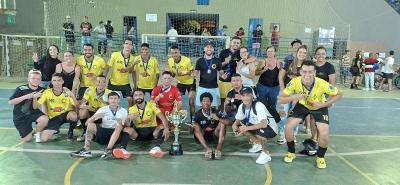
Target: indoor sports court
{"x":364,"y":131}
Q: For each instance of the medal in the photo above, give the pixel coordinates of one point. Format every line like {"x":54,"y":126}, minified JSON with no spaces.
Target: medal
{"x":209,"y":71}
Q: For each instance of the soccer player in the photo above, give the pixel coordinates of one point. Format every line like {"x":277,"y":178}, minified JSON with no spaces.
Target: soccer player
{"x":146,"y":71}
{"x":207,"y":127}
{"x":229,"y":57}
{"x":254,"y":121}
{"x":91,"y":67}
{"x":208,"y":67}
{"x":183,"y":71}
{"x":59,"y":104}
{"x":94,"y":98}
{"x":310,"y":93}
{"x":166,"y":95}
{"x":120,"y":65}
{"x":141,"y":124}
{"x":107,"y":130}
{"x":24,"y":114}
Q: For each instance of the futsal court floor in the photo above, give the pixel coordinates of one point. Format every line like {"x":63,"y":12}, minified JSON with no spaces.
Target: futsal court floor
{"x":363,"y":149}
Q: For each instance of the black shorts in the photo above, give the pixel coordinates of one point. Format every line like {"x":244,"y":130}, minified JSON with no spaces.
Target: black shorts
{"x":388,"y":75}
{"x":146,"y":90}
{"x":103,"y":135}
{"x":300,"y":111}
{"x":186,"y":87}
{"x":56,"y":122}
{"x":264,"y":132}
{"x":145,"y":133}
{"x":81,"y":92}
{"x":24,"y":124}
{"x":209,"y":137}
{"x":126,"y":90}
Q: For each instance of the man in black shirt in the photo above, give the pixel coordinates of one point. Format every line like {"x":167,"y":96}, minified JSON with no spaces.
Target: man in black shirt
{"x":109,"y":32}
{"x":229,"y":57}
{"x":208,"y":67}
{"x":232,"y":101}
{"x":24,"y":114}
{"x":68,"y":28}
{"x":207,"y":128}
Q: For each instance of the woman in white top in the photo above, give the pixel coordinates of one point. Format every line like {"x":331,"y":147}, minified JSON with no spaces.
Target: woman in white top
{"x":246,"y":67}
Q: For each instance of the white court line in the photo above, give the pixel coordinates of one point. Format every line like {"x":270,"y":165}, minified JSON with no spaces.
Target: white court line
{"x":367,"y":152}
{"x":365,"y":107}
{"x":160,"y":184}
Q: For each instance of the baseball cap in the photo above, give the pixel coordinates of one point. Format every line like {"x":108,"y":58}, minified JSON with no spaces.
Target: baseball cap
{"x":68,"y":17}
{"x":296,"y":41}
{"x":246,"y":90}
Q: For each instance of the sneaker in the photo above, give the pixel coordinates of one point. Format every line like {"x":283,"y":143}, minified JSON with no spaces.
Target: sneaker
{"x":321,"y":164}
{"x":81,"y":153}
{"x":81,"y":138}
{"x":255,"y":148}
{"x":373,"y":89}
{"x":263,"y":158}
{"x":295,"y":140}
{"x":281,"y":139}
{"x":70,"y":136}
{"x":108,"y":154}
{"x":121,"y":153}
{"x":156,"y":152}
{"x":289,"y":157}
{"x":38,"y":139}
{"x":366,"y":89}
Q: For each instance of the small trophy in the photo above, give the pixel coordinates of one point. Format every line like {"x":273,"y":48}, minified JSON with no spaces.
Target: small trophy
{"x":176,"y":118}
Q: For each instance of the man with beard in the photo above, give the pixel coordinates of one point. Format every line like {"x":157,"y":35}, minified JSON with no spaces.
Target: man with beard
{"x":91,"y":67}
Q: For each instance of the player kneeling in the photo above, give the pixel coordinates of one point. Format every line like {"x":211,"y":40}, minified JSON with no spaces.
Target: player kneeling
{"x":108,"y":130}
{"x":254,"y":121}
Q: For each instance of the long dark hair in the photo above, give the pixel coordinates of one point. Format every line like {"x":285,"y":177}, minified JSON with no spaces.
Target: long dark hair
{"x":48,"y":50}
{"x":293,"y":66}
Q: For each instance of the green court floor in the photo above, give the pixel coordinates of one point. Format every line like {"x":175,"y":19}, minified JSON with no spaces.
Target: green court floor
{"x":364,"y":149}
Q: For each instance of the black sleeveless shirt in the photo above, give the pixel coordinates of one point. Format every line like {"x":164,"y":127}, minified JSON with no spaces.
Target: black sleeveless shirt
{"x":68,"y":78}
{"x":269,"y":77}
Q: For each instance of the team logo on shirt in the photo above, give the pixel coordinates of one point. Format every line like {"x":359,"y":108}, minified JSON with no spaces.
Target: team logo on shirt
{"x":214,"y":66}
{"x":331,"y":87}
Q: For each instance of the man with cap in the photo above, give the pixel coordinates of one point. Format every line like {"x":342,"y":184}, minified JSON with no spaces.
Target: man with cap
{"x":254,"y":121}
{"x":68,"y":28}
{"x":208,"y":68}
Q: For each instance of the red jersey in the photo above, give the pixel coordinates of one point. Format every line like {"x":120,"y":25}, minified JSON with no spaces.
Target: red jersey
{"x":369,"y":64}
{"x":169,"y":96}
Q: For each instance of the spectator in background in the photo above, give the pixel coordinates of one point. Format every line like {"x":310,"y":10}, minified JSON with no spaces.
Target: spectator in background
{"x":370,"y":72}
{"x":205,"y":32}
{"x":172,"y":33}
{"x":257,"y":34}
{"x":345,"y":67}
{"x":388,"y":71}
{"x":275,"y":37}
{"x":47,"y":64}
{"x":86,"y":28}
{"x":132,"y":36}
{"x":109,"y":32}
{"x":101,"y":34}
{"x":240,"y":33}
{"x":68,"y":28}
{"x":355,"y":70}
{"x":222,"y":32}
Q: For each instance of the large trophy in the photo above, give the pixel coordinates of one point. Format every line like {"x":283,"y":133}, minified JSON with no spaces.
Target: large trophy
{"x":176,"y":118}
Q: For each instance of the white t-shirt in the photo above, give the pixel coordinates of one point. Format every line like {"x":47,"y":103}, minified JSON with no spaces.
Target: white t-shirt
{"x":387,"y":68}
{"x":172,"y":32}
{"x":262,"y":113}
{"x":108,"y":120}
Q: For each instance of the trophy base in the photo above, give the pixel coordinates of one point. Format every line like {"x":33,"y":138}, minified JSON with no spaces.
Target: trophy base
{"x":176,"y":149}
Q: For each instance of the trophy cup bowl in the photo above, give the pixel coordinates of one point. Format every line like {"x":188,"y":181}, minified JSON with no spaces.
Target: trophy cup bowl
{"x":176,"y":118}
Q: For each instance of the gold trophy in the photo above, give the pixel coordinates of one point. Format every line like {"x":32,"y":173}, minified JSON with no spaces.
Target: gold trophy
{"x":176,"y":118}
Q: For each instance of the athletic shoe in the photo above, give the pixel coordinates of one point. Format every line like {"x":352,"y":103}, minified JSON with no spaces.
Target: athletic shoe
{"x":108,"y":154}
{"x":321,"y":164}
{"x":81,"y":138}
{"x":295,"y":140}
{"x":255,"y":148}
{"x":373,"y":89}
{"x":70,"y":136}
{"x":366,"y":89}
{"x":263,"y":158}
{"x":281,"y":139}
{"x":156,"y":152}
{"x":81,"y":153}
{"x":289,"y":157}
{"x":37,"y":137}
{"x":121,"y":153}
